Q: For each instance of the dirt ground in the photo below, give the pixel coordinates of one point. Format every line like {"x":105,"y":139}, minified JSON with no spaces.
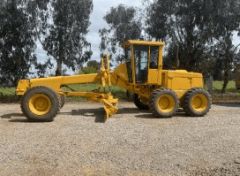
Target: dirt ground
{"x":131,"y":143}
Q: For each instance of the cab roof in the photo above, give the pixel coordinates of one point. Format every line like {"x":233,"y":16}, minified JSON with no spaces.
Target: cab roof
{"x":143,"y":42}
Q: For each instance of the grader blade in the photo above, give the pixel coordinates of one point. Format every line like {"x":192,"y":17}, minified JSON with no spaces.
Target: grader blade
{"x":110,"y":106}
{"x":107,"y":99}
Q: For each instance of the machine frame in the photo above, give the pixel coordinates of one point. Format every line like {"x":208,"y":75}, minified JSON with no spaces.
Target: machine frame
{"x":171,"y":87}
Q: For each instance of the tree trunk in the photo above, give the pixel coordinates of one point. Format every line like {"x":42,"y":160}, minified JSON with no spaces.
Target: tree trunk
{"x":60,"y":62}
{"x":225,"y":80}
{"x":208,"y":81}
{"x":59,"y":68}
{"x":177,"y":61}
{"x":60,"y":56}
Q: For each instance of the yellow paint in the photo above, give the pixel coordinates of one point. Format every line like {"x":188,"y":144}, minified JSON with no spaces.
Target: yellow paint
{"x":160,"y":57}
{"x":140,"y":42}
{"x":153,"y":76}
{"x":22,"y":87}
{"x":166,"y":103}
{"x":119,"y":77}
{"x":199,"y":102}
{"x":180,"y":80}
{"x":56,"y":82}
{"x":39,"y":104}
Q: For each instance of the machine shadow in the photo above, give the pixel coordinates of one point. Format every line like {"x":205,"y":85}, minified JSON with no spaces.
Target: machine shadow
{"x":237,"y":105}
{"x":18,"y":120}
{"x":99,"y":114}
{"x":149,"y":115}
{"x":9,"y":116}
{"x":21,"y":119}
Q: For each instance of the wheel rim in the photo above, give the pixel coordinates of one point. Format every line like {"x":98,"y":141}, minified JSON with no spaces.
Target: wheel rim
{"x":166,"y":103}
{"x":39,"y":104}
{"x":199,"y":102}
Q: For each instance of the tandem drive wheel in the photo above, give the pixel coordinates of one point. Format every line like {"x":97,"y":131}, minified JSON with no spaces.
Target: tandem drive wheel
{"x":164,"y":103}
{"x":40,"y":104}
{"x":197,"y":102}
{"x":139,"y":104}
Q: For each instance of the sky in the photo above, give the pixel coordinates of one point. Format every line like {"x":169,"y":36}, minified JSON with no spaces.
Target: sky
{"x":100,"y":8}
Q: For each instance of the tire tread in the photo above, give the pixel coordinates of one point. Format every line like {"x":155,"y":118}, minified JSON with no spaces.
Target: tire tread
{"x":186,"y":102}
{"x":155,"y":95}
{"x":53,"y":97}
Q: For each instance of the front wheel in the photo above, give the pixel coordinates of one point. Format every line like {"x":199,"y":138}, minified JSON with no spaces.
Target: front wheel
{"x":164,"y":103}
{"x":197,"y":102}
{"x":40,"y":104}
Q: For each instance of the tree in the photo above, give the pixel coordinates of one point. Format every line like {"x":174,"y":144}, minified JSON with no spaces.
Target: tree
{"x":92,"y":67}
{"x":17,"y":38}
{"x":94,"y":64}
{"x":224,"y":23}
{"x":227,"y":57}
{"x":16,"y":43}
{"x":194,"y":29}
{"x":66,"y":39}
{"x":42,"y":67}
{"x":122,"y":25}
{"x":184,"y":26}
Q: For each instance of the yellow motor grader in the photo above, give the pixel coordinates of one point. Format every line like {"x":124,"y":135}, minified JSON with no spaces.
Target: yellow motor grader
{"x":160,"y":91}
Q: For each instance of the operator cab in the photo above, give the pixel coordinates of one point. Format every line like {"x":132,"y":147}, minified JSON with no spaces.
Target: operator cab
{"x":144,"y":61}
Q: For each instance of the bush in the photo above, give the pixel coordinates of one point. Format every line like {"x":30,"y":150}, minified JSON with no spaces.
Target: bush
{"x":88,"y":70}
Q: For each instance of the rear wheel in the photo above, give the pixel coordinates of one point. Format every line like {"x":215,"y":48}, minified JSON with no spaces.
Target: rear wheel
{"x":197,"y":102}
{"x":40,"y":104}
{"x":164,"y":103}
{"x":137,"y":101}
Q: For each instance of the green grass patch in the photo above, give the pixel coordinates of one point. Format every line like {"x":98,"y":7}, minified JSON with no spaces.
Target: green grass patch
{"x":217,"y":85}
{"x":116,"y":91}
{"x":7,"y":91}
{"x":7,"y":95}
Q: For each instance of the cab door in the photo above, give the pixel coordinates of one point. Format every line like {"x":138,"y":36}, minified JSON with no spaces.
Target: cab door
{"x":129,"y":61}
{"x":141,"y":55}
{"x":154,"y":66}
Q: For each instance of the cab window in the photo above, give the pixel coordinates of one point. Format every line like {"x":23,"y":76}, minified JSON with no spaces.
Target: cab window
{"x":128,"y":64}
{"x":141,"y":63}
{"x":154,"y":56}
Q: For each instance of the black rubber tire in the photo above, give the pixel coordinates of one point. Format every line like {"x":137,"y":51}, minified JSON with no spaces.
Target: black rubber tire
{"x":139,"y":104}
{"x":186,"y":104}
{"x":49,"y":117}
{"x":154,"y":103}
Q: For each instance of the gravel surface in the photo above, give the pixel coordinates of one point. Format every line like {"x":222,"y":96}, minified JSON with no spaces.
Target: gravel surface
{"x":132,"y":143}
